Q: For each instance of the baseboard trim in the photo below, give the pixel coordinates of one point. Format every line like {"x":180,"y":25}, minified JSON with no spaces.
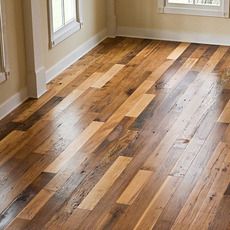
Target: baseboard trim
{"x":71,"y":58}
{"x":173,"y":36}
{"x":13,"y":102}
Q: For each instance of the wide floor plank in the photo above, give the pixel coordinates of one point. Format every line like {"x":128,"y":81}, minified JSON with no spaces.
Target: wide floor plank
{"x":105,"y":183}
{"x":134,"y":188}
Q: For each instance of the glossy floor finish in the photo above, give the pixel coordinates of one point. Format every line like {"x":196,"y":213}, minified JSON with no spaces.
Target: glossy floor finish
{"x":135,"y":135}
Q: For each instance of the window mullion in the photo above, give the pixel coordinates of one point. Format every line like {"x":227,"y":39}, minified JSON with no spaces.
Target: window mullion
{"x":63,"y":12}
{"x":66,"y":22}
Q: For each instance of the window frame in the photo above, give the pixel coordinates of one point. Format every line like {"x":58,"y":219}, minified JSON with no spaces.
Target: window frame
{"x":4,"y":70}
{"x":198,"y":10}
{"x":68,"y":29}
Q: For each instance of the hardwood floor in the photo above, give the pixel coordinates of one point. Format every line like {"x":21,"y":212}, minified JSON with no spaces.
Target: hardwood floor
{"x":135,"y":135}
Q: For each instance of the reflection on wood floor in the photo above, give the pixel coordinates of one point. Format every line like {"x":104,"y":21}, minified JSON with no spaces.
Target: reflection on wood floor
{"x":135,"y":135}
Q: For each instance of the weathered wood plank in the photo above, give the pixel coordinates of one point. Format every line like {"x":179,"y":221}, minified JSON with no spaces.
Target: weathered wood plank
{"x":178,"y":51}
{"x":134,"y":188}
{"x":105,"y":183}
{"x":72,"y":149}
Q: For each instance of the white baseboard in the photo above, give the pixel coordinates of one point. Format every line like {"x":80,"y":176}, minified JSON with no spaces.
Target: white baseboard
{"x":173,"y":36}
{"x":36,"y":83}
{"x":67,"y":61}
{"x":41,"y":82}
{"x":13,"y":102}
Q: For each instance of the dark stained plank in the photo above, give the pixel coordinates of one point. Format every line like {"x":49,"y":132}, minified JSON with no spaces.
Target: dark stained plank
{"x":223,"y":63}
{"x":127,"y":58}
{"x":39,"y":114}
{"x":227,"y":192}
{"x":17,"y":172}
{"x":8,"y":128}
{"x":24,"y":198}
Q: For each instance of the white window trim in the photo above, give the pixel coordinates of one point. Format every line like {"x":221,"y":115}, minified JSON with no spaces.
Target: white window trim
{"x":69,"y":29}
{"x":5,"y":64}
{"x":185,"y":9}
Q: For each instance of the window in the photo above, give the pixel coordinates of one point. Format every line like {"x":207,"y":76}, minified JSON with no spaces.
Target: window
{"x":216,"y":8}
{"x":64,"y":19}
{"x":3,"y":58}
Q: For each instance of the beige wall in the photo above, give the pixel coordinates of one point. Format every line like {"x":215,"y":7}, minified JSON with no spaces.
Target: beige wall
{"x":94,"y":15}
{"x":143,"y":14}
{"x":16,"y":51}
{"x":94,"y":19}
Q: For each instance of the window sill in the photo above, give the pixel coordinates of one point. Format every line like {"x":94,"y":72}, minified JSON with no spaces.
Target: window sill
{"x":64,"y":33}
{"x":194,"y":12}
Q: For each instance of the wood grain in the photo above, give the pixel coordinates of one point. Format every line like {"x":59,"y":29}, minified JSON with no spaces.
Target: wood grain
{"x":35,"y":205}
{"x":141,"y":104}
{"x":178,"y":51}
{"x":134,"y":188}
{"x":158,"y":203}
{"x":134,"y":135}
{"x":72,"y":149}
{"x":105,"y":183}
{"x":224,"y":117}
{"x":107,"y":76}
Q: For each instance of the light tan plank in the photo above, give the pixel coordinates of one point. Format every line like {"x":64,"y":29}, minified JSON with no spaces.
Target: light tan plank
{"x":72,"y":149}
{"x":108,"y":76}
{"x":178,"y":51}
{"x":61,"y":177}
{"x":146,"y":51}
{"x":90,"y":81}
{"x":35,"y":205}
{"x":17,"y":224}
{"x":73,"y":96}
{"x":214,"y":60}
{"x":135,"y":187}
{"x":160,"y":70}
{"x":179,"y":75}
{"x":11,"y":140}
{"x":158,"y":203}
{"x":105,"y":183}
{"x":63,"y":104}
{"x":66,"y":172}
{"x":142,"y":103}
{"x":225,"y":115}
